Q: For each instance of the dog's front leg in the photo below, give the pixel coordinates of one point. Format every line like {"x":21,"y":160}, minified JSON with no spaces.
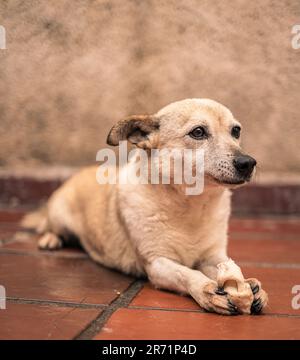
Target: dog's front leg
{"x":209,"y":266}
{"x":168,"y":274}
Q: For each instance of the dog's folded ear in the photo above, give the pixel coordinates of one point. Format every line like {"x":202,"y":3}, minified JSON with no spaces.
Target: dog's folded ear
{"x":136,"y":129}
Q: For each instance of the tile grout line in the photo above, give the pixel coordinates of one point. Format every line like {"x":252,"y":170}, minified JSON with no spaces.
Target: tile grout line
{"x":200,"y":311}
{"x":269,"y":265}
{"x":121,"y":302}
{"x":84,"y":256}
{"x":15,"y":300}
{"x":40,"y":253}
{"x":156,"y":308}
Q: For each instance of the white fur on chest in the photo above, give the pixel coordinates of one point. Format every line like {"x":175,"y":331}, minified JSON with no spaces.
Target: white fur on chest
{"x":163,"y":222}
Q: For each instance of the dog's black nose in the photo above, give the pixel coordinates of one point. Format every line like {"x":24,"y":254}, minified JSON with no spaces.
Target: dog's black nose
{"x":244,"y":165}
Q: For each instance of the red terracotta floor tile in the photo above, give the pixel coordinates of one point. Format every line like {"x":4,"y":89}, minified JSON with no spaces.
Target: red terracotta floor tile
{"x":265,"y":251}
{"x":242,"y":236}
{"x":140,"y":324}
{"x":151,"y":297}
{"x":28,"y":244}
{"x":28,"y":321}
{"x":61,"y":279}
{"x":6,"y":234}
{"x":11,"y":215}
{"x":282,"y":225}
{"x":278,"y":283}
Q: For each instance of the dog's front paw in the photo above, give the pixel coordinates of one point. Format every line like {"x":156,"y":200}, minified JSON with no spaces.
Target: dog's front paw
{"x":214,"y":299}
{"x":260,"y":296}
{"x":231,"y":279}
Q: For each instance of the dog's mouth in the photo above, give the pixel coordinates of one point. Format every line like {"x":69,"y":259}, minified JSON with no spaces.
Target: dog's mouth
{"x":229,"y":182}
{"x":232,"y":182}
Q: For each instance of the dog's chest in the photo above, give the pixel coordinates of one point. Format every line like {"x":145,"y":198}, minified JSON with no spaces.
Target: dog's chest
{"x":192,"y":245}
{"x":182,"y":232}
{"x":194,"y":235}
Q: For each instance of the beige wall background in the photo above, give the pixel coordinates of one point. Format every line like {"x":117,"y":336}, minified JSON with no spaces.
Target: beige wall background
{"x":73,"y":68}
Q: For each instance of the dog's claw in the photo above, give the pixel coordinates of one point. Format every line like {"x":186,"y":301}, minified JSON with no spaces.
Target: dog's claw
{"x":232,"y":308}
{"x":256,"y":307}
{"x":256,"y":302}
{"x":255,"y":289}
{"x":220,"y":291}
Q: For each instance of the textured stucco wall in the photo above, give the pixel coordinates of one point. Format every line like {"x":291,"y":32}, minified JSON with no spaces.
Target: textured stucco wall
{"x":73,"y":68}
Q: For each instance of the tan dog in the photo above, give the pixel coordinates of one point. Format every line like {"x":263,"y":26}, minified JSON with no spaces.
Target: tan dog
{"x":178,"y":241}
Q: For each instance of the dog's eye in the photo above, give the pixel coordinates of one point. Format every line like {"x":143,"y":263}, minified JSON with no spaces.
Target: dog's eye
{"x":236,"y":132}
{"x":198,"y":133}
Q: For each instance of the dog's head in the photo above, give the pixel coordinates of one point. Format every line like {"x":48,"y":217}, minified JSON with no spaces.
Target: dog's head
{"x":193,"y":124}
